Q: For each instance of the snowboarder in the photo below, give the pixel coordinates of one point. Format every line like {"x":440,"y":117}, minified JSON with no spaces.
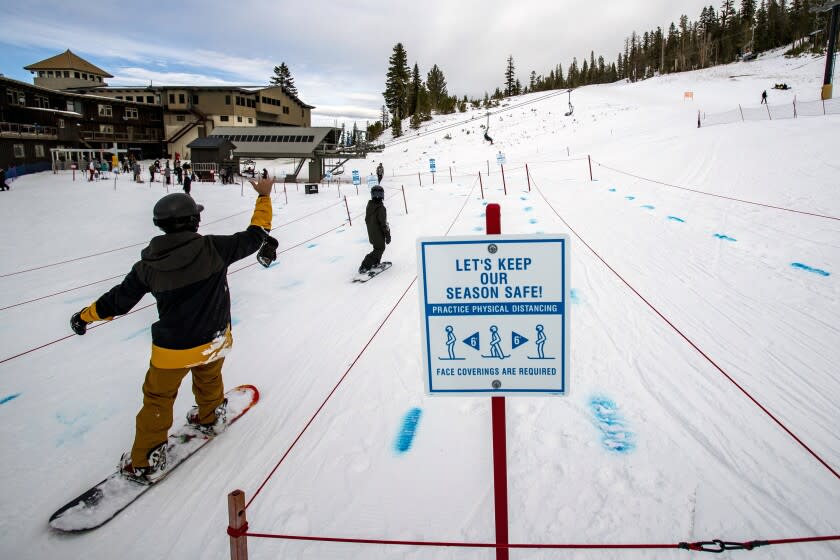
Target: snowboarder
{"x":167,"y":173}
{"x":187,"y":275}
{"x":380,"y":173}
{"x":187,"y":178}
{"x":3,"y":185}
{"x":764,"y":96}
{"x":379,"y":234}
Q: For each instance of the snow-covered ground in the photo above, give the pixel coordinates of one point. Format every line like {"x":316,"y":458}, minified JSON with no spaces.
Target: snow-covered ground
{"x":654,"y":443}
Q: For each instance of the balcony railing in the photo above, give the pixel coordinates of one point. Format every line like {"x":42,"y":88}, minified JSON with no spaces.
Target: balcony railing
{"x":27,"y":130}
{"x":96,"y":136}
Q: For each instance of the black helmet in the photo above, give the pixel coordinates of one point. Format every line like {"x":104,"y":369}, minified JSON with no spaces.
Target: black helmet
{"x":377,"y":192}
{"x":177,"y":212}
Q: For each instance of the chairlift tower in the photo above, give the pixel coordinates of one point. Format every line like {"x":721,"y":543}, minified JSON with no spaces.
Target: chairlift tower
{"x":834,"y":7}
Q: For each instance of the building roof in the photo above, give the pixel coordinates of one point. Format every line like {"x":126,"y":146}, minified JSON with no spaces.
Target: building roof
{"x":68,"y":60}
{"x":277,"y":141}
{"x":76,"y":95}
{"x":211,"y":142}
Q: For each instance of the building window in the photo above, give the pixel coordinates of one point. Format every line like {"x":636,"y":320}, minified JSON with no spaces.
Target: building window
{"x":106,"y":128}
{"x":84,"y":76}
{"x":180,"y":118}
{"x":285,"y":110}
{"x":40,"y":73}
{"x":42,"y":101}
{"x":129,"y":98}
{"x":39,"y":150}
{"x":60,"y":123}
{"x":227,"y":99}
{"x":238,"y":119}
{"x":194,"y":99}
{"x":19,"y":151}
{"x":224,"y":118}
{"x":49,"y":74}
{"x":181,"y":98}
{"x":172,"y":98}
{"x":15,"y":97}
{"x":76,"y":75}
{"x":105,"y":111}
{"x":119,"y":97}
{"x":250,"y":120}
{"x":131,"y":112}
{"x":67,"y":73}
{"x":150,"y":99}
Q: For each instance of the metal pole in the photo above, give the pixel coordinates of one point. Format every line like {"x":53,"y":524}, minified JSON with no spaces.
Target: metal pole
{"x":739,"y":108}
{"x":450,"y":173}
{"x":480,"y":182}
{"x":402,"y":187}
{"x":504,"y":183}
{"x":237,"y":522}
{"x":494,"y":227}
{"x":589,"y":157}
{"x":528,"y":176}
{"x":286,"y":194}
{"x":347,"y":206}
{"x":419,"y":179}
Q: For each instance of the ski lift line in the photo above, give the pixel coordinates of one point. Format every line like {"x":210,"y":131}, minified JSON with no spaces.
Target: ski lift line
{"x":98,"y":254}
{"x":716,"y":195}
{"x":396,"y":141}
{"x":355,"y":360}
{"x":715,"y":545}
{"x":689,"y":341}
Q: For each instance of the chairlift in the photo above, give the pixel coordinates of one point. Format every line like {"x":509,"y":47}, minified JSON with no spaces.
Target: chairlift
{"x":571,"y":107}
{"x":338,"y":171}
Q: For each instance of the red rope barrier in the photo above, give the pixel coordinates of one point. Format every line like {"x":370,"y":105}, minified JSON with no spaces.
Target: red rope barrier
{"x":716,"y":195}
{"x":689,"y":341}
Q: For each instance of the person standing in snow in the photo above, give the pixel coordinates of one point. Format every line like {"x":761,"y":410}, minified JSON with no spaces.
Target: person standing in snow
{"x":379,"y":234}
{"x":187,"y":178}
{"x":187,"y":274}
{"x":380,"y":173}
{"x":764,"y":96}
{"x":3,"y":185}
{"x":167,"y":173}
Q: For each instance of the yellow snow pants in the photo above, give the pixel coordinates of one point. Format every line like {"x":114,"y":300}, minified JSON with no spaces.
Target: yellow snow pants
{"x":159,"y":392}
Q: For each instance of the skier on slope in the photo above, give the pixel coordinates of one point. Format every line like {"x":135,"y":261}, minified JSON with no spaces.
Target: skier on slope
{"x":187,"y":275}
{"x":380,"y":173}
{"x":379,"y":234}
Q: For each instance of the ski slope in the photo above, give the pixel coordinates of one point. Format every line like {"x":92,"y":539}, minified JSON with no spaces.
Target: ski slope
{"x":704,"y":343}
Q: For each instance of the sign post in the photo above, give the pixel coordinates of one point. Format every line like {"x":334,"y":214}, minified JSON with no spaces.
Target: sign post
{"x":432,"y":168}
{"x":495,"y":322}
{"x":356,"y":179}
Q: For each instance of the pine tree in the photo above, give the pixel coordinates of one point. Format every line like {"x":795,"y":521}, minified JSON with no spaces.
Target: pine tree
{"x":396,"y":126}
{"x":283,"y":77}
{"x":414,"y":90}
{"x":510,"y":77}
{"x":436,"y":84}
{"x":397,"y":82}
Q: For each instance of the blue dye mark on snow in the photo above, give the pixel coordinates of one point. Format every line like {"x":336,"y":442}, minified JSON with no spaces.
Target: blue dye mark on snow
{"x":335,"y":259}
{"x":8,"y":398}
{"x":478,"y":228}
{"x":574,"y":296}
{"x":409,"y":428}
{"x":532,"y":221}
{"x":648,"y":206}
{"x":523,"y":198}
{"x":725,"y":237}
{"x":311,"y":245}
{"x":614,"y":433}
{"x":676,"y":219}
{"x":807,"y":268}
{"x":77,"y":424}
{"x":528,"y":208}
{"x":630,"y":197}
{"x":612,"y":190}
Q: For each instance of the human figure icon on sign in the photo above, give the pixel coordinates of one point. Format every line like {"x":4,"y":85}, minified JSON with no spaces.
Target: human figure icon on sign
{"x":451,"y":339}
{"x":540,"y":342}
{"x":495,"y":345}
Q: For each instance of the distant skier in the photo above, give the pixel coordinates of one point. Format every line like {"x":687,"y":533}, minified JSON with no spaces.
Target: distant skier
{"x":764,"y":96}
{"x":379,"y":234}
{"x":380,"y":173}
{"x":3,"y":185}
{"x":487,"y":137}
{"x":167,"y":173}
{"x":187,"y":275}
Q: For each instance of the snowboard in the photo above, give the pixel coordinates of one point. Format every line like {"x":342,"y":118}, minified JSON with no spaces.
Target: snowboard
{"x":104,"y":501}
{"x":373,"y":272}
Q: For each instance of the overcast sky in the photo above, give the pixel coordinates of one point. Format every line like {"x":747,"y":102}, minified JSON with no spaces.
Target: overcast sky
{"x":337,"y":51}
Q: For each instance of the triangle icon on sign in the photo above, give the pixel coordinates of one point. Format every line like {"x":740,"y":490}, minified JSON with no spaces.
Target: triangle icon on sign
{"x":517,"y":339}
{"x":473,"y":341}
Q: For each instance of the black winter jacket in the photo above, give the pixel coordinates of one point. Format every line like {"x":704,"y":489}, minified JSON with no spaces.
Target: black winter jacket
{"x":376,"y":218}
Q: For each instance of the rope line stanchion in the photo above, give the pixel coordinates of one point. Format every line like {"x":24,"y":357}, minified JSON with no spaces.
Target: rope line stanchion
{"x":528,"y":176}
{"x":589,"y":159}
{"x":691,"y":342}
{"x":347,"y":206}
{"x":482,"y":185}
{"x":664,"y":184}
{"x":405,"y":203}
{"x":504,"y":183}
{"x":237,"y":526}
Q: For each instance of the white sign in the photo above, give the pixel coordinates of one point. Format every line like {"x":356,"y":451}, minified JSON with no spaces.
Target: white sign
{"x":371,"y":180}
{"x":500,"y":158}
{"x":432,"y":166}
{"x":356,"y":180}
{"x":328,"y":175}
{"x":495,"y":314}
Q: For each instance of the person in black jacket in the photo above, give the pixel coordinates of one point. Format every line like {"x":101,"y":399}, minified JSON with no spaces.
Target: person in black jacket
{"x":3,"y":185}
{"x":380,"y":173}
{"x":187,"y":274}
{"x":379,"y":234}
